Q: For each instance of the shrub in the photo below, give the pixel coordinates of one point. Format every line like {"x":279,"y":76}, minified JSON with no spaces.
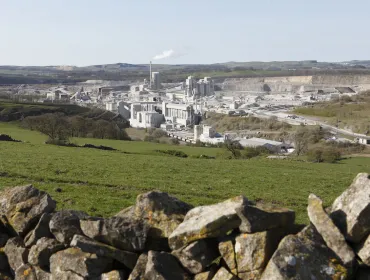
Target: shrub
{"x":175,"y":141}
{"x":315,"y":154}
{"x":331,"y":155}
{"x":251,"y":152}
{"x":173,"y":153}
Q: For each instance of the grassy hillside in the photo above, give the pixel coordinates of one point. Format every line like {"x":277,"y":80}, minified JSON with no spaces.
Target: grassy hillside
{"x":103,"y":182}
{"x":349,"y":112}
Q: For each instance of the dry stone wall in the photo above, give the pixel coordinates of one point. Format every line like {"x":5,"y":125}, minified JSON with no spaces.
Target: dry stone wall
{"x":161,"y":237}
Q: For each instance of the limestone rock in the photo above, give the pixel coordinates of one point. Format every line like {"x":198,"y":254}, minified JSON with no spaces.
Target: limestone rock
{"x":114,"y":275}
{"x":88,"y":245}
{"x":16,"y":252}
{"x":23,"y":206}
{"x":65,"y":224}
{"x":223,"y":274}
{"x":206,"y":222}
{"x":162,"y":212}
{"x":75,"y":261}
{"x":304,"y":256}
{"x":207,"y":275}
{"x":254,"y":250}
{"x":123,"y":233}
{"x":226,"y":248}
{"x":3,"y":260}
{"x":262,"y":217}
{"x":197,"y":256}
{"x":41,"y":230}
{"x":28,"y":272}
{"x":68,"y":275}
{"x":138,"y":272}
{"x":164,"y":266}
{"x":40,"y":253}
{"x":351,"y":210}
{"x":363,"y":251}
{"x":328,"y":230}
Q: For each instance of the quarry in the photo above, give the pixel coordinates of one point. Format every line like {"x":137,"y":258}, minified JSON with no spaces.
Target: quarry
{"x":179,"y":107}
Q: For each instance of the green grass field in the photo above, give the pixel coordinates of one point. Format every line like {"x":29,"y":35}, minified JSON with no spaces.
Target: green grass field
{"x":103,"y":182}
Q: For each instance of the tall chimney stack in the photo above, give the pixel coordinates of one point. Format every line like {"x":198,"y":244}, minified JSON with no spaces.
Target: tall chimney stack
{"x":150,"y":78}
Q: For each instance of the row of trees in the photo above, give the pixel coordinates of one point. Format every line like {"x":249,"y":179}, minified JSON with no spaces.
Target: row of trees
{"x":59,"y":127}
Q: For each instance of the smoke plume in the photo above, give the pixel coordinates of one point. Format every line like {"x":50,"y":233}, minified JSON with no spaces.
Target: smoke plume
{"x":165,"y":54}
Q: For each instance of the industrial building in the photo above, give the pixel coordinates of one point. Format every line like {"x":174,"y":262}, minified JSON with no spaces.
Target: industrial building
{"x":156,"y":81}
{"x":145,"y":115}
{"x":181,"y":114}
{"x":273,"y":146}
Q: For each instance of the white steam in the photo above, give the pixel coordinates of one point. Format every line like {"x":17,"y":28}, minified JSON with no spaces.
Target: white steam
{"x":165,"y":54}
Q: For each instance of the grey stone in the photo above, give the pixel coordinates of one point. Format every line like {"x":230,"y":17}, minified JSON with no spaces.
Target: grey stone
{"x":16,"y":252}
{"x":226,"y":248}
{"x":89,"y":245}
{"x":162,"y":212}
{"x":65,"y":224}
{"x":197,"y":256}
{"x":254,"y":250}
{"x":304,"y":256}
{"x":328,"y":230}
{"x":23,"y":206}
{"x":114,"y":275}
{"x":75,"y":261}
{"x":40,"y":253}
{"x":262,"y":217}
{"x":207,"y":275}
{"x":363,"y":251}
{"x":41,"y":230}
{"x":123,"y":233}
{"x":163,"y":266}
{"x":223,"y":274}
{"x":206,"y":222}
{"x":350,"y":211}
{"x":29,"y":272}
{"x":138,"y":272}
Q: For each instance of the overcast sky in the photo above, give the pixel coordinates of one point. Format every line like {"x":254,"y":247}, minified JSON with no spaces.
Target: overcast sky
{"x":85,"y":32}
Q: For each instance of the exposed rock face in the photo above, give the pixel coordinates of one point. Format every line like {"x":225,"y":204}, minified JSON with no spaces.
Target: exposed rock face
{"x":198,"y":255}
{"x":262,"y":217}
{"x":40,"y":253}
{"x":351,"y":210}
{"x":207,"y":221}
{"x":253,"y":251}
{"x":329,"y":232}
{"x":88,"y":245}
{"x":23,"y":206}
{"x":75,"y":261}
{"x":162,"y":212}
{"x":41,"y":230}
{"x":123,"y":233}
{"x":16,"y":252}
{"x":163,"y":266}
{"x":65,"y":224}
{"x":223,"y":274}
{"x":304,"y":256}
{"x":138,"y":272}
{"x":227,"y":251}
